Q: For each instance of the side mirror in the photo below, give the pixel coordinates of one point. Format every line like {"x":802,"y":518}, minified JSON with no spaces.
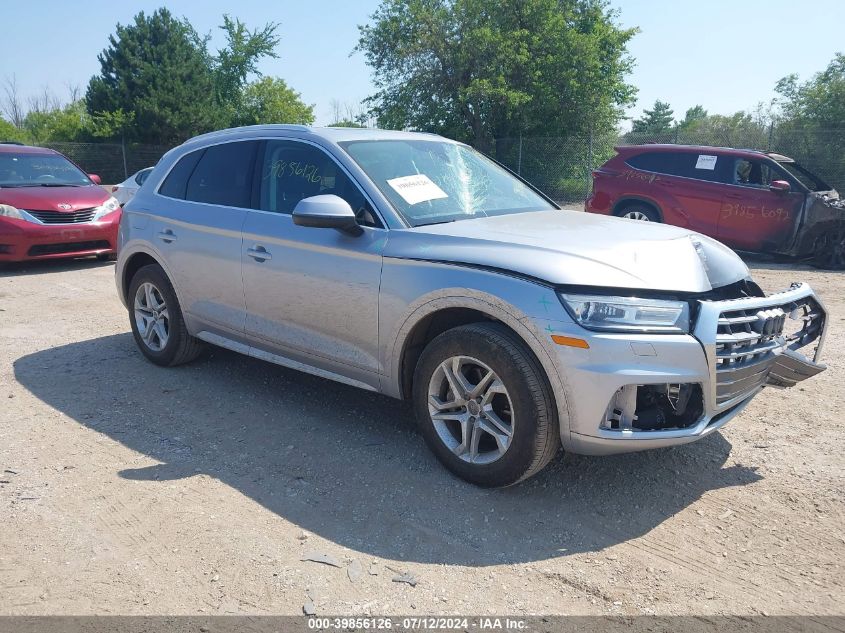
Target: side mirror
{"x":95,"y":178}
{"x":779,"y":186}
{"x":326,"y":211}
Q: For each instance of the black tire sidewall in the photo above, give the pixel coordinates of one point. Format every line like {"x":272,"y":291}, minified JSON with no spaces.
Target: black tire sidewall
{"x":154,"y":274}
{"x":518,"y":459}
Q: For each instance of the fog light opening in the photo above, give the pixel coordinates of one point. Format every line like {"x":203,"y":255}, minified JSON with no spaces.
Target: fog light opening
{"x":661,"y":407}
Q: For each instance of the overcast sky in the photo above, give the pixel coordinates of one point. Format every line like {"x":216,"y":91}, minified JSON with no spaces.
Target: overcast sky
{"x":723,"y":54}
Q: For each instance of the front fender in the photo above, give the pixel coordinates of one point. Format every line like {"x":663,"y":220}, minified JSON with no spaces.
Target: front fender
{"x":412,"y":290}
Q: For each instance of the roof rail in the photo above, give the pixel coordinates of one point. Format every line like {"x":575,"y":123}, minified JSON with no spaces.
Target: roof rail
{"x":235,"y":130}
{"x":10,"y":143}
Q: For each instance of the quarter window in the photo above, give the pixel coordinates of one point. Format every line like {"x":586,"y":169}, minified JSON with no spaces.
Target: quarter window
{"x":176,"y":183}
{"x":291,"y":171}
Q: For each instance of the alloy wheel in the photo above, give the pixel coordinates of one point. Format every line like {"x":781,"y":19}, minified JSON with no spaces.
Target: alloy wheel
{"x":471,"y":410}
{"x":636,"y":215}
{"x":151,"y":317}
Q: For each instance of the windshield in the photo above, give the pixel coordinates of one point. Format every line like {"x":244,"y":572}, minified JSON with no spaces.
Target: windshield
{"x":804,"y":176}
{"x":40,"y":170}
{"x":431,"y":182}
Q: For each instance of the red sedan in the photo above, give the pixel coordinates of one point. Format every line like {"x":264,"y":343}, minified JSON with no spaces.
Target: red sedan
{"x":50,"y":208}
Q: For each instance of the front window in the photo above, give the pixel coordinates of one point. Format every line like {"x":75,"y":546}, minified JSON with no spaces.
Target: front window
{"x":755,"y":173}
{"x":40,"y":170}
{"x":431,"y":182}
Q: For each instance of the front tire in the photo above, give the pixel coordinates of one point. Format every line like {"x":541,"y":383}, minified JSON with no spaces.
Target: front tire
{"x":156,"y":319}
{"x":484,"y":405}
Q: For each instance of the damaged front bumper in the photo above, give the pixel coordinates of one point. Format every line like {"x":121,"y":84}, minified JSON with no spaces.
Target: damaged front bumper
{"x":820,"y":232}
{"x":688,"y":387}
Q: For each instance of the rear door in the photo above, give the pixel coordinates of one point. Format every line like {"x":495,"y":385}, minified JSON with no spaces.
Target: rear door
{"x":206,"y":198}
{"x":312,"y":293}
{"x":688,"y":184}
{"x":753,"y":217}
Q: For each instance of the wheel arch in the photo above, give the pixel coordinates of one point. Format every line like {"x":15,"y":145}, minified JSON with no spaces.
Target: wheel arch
{"x":456,"y":307}
{"x":630,"y":200}
{"x":133,"y":264}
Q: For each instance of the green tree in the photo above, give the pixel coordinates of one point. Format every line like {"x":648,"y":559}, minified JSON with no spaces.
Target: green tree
{"x":477,"y":70}
{"x":741,"y":129}
{"x":270,"y":100}
{"x":659,"y":120}
{"x":811,"y":126}
{"x":159,"y":74}
{"x":66,"y":123}
{"x":154,"y":69}
{"x":693,"y":115}
{"x":9,"y":132}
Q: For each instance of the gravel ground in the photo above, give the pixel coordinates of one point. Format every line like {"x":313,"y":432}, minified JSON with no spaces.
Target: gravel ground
{"x":131,"y":489}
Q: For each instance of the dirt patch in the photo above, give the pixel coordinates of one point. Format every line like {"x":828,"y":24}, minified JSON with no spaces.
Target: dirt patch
{"x":127,"y":488}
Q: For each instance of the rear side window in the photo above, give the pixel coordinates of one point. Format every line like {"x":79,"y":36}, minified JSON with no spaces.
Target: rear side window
{"x":176,"y":183}
{"x":703,"y":166}
{"x":224,"y":175}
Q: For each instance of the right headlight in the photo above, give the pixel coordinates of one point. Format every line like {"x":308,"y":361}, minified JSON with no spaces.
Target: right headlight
{"x":8,"y":211}
{"x":627,"y":314}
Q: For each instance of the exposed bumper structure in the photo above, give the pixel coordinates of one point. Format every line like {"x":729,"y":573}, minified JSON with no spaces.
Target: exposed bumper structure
{"x":632,"y":393}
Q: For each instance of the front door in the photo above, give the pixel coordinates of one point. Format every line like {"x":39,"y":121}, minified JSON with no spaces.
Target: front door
{"x":311,"y":293}
{"x":753,"y":217}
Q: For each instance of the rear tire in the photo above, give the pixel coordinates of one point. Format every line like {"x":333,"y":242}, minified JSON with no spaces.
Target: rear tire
{"x":638,"y":211}
{"x":504,"y":433}
{"x":156,"y":319}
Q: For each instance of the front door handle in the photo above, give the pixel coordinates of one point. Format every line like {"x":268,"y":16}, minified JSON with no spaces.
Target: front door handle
{"x":167,"y":236}
{"x":259,"y":253}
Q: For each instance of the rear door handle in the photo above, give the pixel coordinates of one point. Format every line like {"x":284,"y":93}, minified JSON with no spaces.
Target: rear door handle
{"x":167,"y":236}
{"x":735,"y":196}
{"x":259,"y":253}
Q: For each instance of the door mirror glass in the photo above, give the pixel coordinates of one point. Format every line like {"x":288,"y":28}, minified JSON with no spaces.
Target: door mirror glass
{"x":326,"y":211}
{"x":779,"y":186}
{"x":95,"y":179}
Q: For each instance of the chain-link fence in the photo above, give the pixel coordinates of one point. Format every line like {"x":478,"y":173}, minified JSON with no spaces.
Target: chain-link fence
{"x":112,"y":162}
{"x":562,"y":166}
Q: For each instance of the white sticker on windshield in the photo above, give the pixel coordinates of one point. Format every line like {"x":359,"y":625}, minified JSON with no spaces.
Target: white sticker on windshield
{"x":706,"y":162}
{"x":414,"y":189}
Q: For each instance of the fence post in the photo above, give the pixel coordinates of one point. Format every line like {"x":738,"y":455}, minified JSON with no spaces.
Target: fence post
{"x":123,"y":152}
{"x":589,"y":164}
{"x":519,"y":159}
{"x":769,"y":142}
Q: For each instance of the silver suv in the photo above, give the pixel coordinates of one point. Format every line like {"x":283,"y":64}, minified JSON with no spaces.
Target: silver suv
{"x":411,"y":265}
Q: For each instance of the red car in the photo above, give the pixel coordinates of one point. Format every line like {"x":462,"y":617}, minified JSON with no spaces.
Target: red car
{"x":749,"y":200}
{"x":50,"y":208}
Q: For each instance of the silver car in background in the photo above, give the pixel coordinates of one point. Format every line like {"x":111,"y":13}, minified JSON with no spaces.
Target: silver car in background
{"x":127,"y":189}
{"x":411,"y":265}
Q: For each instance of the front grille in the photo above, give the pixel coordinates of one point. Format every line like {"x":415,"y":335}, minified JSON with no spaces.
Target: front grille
{"x":68,"y":247}
{"x":748,"y":342}
{"x":64,"y":217}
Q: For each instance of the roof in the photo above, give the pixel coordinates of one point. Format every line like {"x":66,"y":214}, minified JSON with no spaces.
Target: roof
{"x":701,"y":149}
{"x":333,"y":134}
{"x":12,"y":148}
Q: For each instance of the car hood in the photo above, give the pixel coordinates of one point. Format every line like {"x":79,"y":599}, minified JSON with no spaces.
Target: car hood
{"x":49,"y":198}
{"x":577,"y":248}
